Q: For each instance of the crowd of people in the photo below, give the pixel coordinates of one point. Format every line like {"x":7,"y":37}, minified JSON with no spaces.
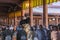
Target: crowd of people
{"x":26,"y":32}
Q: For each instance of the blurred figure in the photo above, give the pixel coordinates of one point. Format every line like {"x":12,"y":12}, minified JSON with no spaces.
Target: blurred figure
{"x":3,"y":27}
{"x":50,"y":27}
{"x":58,"y":34}
{"x":59,"y":26}
{"x":28,"y":31}
{"x":54,"y":33}
{"x":3,"y":32}
{"x":11,"y":30}
{"x":6,"y":33}
{"x":44,"y":32}
{"x":49,"y":32}
{"x":21,"y":34}
{"x":0,"y":31}
{"x":18,"y":29}
{"x":37,"y":33}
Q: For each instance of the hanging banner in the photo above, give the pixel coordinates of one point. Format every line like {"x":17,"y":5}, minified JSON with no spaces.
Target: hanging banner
{"x":35,"y":3}
{"x":51,"y":1}
{"x":47,"y":1}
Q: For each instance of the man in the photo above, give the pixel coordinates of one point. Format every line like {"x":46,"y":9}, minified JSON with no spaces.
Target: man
{"x":44,"y":32}
{"x":54,"y":33}
{"x":37,"y":32}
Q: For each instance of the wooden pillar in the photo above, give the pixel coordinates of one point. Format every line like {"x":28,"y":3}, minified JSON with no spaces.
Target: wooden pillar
{"x":45,"y":14}
{"x":15,"y":14}
{"x":22,"y":11}
{"x":56,"y":20}
{"x":12,"y":21}
{"x":35,"y":21}
{"x":30,"y":13}
{"x":15,"y":23}
{"x":14,"y":36}
{"x":8,"y":20}
{"x":14,"y":17}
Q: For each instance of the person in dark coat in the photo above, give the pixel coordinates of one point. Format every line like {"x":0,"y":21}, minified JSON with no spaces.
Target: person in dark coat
{"x":38,"y":34}
{"x":44,"y":32}
{"x":6,"y":33}
{"x":18,"y":29}
{"x":21,"y":34}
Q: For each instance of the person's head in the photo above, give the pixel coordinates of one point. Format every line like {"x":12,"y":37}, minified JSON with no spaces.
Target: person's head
{"x":41,"y":26}
{"x":3,"y":26}
{"x":55,"y":28}
{"x":25,"y":21}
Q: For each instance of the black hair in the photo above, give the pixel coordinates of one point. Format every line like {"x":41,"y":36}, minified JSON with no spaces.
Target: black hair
{"x":25,"y":21}
{"x":56,"y":28}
